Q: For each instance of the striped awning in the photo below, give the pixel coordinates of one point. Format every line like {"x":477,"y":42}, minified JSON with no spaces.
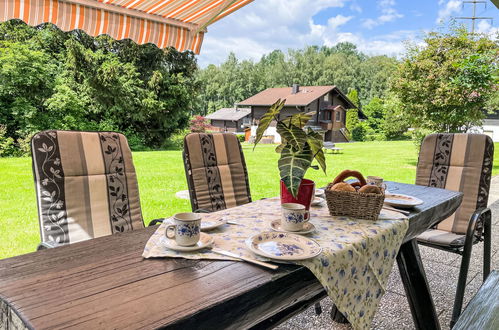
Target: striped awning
{"x":177,"y":23}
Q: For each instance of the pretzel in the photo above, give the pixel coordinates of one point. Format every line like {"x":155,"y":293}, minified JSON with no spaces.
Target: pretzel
{"x":348,"y":173}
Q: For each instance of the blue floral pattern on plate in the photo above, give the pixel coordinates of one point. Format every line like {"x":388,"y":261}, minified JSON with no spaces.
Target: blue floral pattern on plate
{"x":283,"y":246}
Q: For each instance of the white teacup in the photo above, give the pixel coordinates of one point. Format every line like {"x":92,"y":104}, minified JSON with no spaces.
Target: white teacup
{"x":185,"y":229}
{"x":375,"y":181}
{"x":294,"y":216}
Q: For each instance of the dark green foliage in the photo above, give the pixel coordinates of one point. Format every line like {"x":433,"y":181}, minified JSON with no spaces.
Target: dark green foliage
{"x":50,"y":79}
{"x":359,"y":133}
{"x":241,"y":138}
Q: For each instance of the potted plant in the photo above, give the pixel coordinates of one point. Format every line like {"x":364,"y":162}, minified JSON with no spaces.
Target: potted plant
{"x":298,"y":148}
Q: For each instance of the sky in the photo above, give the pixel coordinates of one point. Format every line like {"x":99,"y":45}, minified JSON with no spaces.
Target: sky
{"x":375,"y":26}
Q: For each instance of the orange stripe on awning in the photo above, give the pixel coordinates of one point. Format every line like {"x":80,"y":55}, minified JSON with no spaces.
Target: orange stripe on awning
{"x":165,"y":23}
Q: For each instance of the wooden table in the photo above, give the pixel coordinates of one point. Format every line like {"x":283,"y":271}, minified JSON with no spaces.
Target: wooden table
{"x":105,"y":283}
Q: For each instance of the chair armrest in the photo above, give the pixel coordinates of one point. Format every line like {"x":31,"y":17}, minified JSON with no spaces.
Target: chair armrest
{"x":155,"y":222}
{"x":476,"y":222}
{"x":45,"y":245}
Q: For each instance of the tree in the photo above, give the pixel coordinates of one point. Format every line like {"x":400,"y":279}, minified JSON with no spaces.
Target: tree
{"x":352,"y":119}
{"x":342,"y":65}
{"x":198,"y":124}
{"x":50,"y":79}
{"x":446,"y":84}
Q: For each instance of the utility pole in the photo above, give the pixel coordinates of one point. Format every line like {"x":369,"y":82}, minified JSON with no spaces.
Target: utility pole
{"x":473,"y":17}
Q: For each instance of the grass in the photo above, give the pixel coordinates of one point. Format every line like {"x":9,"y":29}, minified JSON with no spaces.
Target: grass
{"x":161,"y":175}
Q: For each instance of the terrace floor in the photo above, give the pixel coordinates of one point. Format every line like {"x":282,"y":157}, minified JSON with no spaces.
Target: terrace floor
{"x":442,"y":269}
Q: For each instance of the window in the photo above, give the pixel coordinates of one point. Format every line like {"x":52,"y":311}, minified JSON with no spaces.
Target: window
{"x":326,"y":97}
{"x":338,"y":116}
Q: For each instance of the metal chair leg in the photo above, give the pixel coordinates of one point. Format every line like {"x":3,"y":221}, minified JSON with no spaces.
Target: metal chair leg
{"x":487,"y":241}
{"x":318,"y":308}
{"x":461,"y":283}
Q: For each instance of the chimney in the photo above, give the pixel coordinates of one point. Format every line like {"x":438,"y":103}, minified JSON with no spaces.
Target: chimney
{"x":295,"y":89}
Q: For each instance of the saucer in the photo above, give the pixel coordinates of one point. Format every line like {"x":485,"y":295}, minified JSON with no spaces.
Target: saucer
{"x":205,"y":240}
{"x":307,"y":227}
{"x":212,"y":221}
{"x":317,"y":201}
{"x":283,"y":246}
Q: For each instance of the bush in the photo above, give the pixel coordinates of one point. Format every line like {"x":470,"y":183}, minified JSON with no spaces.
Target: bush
{"x":375,"y":137}
{"x":176,"y":141}
{"x":241,"y":138}
{"x":418,"y":135}
{"x":7,"y":147}
{"x":360,"y":132}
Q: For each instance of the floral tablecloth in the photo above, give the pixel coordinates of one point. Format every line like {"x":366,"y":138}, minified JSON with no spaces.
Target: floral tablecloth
{"x":357,"y":255}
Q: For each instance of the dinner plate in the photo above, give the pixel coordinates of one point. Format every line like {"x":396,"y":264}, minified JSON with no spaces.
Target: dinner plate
{"x":212,"y":221}
{"x":307,"y":227}
{"x":402,"y":201}
{"x":283,"y":246}
{"x":317,"y":201}
{"x":205,"y":240}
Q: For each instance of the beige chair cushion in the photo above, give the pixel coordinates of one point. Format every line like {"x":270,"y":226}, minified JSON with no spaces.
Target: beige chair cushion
{"x":216,"y":171}
{"x":86,"y":185}
{"x":459,"y":162}
{"x":442,"y":238}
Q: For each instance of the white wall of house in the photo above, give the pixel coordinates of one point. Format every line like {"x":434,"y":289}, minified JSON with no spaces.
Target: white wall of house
{"x":491,"y":130}
{"x":271,"y":131}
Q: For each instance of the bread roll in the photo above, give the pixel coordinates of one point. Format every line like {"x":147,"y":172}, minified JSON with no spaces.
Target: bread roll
{"x":368,"y":189}
{"x":342,"y":186}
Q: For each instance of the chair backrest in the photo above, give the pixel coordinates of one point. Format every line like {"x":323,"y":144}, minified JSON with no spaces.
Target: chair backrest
{"x":86,"y":185}
{"x":216,"y":171}
{"x":459,"y":162}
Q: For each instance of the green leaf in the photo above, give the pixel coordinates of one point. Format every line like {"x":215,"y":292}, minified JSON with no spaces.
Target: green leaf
{"x":267,"y":118}
{"x":292,"y":135}
{"x":316,"y":144}
{"x":298,"y":119}
{"x":292,"y":166}
{"x":279,"y":148}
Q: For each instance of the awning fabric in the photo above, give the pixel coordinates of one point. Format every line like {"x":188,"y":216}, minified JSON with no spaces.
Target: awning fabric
{"x":177,"y":23}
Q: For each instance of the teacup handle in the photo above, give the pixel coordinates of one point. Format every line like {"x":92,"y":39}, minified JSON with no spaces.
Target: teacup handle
{"x":307,"y":215}
{"x":168,"y":228}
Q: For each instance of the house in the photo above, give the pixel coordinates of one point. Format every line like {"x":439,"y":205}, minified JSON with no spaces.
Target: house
{"x":233,"y":120}
{"x":328,"y":102}
{"x":490,"y":126}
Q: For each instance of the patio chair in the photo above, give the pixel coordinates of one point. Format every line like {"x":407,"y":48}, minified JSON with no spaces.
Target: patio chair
{"x":86,"y":186}
{"x":216,"y":171}
{"x":460,"y":162}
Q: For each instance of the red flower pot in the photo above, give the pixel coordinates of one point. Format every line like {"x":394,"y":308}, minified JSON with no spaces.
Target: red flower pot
{"x":306,"y":193}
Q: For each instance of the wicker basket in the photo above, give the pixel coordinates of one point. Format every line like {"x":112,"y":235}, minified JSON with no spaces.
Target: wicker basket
{"x":354,"y":204}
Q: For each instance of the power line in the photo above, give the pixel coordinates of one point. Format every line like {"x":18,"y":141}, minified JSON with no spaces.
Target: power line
{"x":473,"y":17}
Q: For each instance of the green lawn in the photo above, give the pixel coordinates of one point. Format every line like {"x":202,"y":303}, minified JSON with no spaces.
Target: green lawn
{"x":161,"y":174}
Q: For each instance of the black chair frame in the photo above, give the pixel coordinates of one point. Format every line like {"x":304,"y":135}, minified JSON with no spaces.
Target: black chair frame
{"x":479,"y":229}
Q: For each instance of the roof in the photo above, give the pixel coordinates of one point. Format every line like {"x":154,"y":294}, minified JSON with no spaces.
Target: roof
{"x":229,"y":114}
{"x":305,"y":96}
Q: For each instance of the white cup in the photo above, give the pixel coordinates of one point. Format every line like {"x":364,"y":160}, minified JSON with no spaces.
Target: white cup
{"x":185,"y":229}
{"x":294,"y":216}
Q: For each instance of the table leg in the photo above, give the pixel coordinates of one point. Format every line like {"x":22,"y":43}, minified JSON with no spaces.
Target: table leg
{"x":416,"y":286}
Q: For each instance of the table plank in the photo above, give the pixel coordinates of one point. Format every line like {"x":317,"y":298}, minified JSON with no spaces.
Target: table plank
{"x":105,"y":282}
